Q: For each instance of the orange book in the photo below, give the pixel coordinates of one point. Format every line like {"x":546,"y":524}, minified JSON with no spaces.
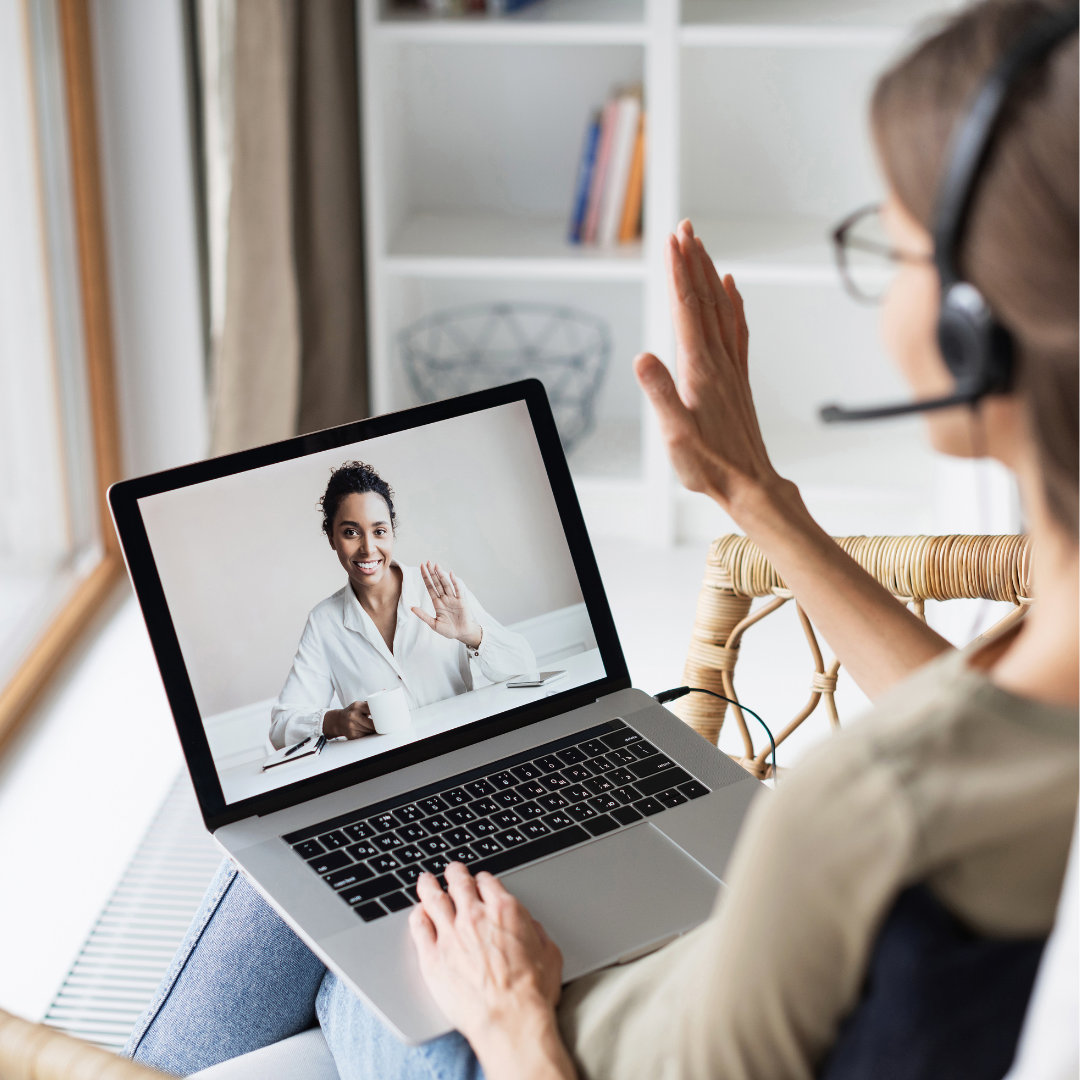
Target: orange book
{"x":628,"y":230}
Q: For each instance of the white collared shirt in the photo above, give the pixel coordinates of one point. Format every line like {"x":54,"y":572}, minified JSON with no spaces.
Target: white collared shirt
{"x":343,"y":658}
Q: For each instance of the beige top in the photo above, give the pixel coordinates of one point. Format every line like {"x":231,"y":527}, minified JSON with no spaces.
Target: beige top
{"x":953,"y":782}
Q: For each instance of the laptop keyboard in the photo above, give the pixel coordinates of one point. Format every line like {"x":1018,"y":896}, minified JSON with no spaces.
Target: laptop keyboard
{"x":495,"y":818}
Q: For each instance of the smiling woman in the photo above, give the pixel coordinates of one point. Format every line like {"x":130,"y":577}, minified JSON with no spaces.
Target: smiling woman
{"x":58,"y":557}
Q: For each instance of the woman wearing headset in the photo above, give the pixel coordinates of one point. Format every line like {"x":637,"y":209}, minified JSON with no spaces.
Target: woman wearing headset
{"x":965,"y":780}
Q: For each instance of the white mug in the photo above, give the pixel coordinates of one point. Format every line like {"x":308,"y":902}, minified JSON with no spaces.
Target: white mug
{"x":389,"y":710}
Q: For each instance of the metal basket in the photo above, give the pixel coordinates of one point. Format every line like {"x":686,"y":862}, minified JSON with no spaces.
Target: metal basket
{"x":472,"y":348}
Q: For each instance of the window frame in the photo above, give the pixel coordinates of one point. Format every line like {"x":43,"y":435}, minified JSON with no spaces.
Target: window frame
{"x":52,"y":645}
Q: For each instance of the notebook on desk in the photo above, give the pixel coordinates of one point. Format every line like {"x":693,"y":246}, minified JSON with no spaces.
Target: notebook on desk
{"x":605,"y":814}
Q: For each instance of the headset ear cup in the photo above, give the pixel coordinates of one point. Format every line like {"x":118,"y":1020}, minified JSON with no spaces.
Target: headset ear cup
{"x":977,"y":349}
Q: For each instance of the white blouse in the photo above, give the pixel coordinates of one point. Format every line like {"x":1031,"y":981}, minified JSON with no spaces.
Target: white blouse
{"x":343,"y":658}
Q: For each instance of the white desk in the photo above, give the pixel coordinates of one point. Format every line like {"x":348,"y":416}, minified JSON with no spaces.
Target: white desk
{"x":247,"y":779}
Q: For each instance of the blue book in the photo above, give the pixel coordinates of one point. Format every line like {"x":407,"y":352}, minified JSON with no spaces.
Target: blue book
{"x":584,"y":179}
{"x":504,"y":7}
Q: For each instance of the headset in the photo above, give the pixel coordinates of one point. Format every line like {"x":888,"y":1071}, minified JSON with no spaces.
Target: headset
{"x":978,"y":350}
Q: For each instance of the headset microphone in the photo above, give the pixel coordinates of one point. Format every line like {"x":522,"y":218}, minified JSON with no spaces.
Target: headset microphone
{"x":977,"y":349}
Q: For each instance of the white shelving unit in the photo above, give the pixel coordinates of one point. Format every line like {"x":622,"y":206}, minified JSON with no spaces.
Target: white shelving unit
{"x":756,"y":131}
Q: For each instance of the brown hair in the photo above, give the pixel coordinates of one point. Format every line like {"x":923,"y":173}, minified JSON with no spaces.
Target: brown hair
{"x":1020,"y":245}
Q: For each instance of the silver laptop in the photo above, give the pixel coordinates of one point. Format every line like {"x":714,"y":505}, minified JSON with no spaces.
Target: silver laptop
{"x":606,"y":815}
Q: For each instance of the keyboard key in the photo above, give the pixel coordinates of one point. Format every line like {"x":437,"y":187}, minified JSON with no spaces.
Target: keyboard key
{"x":548,"y":764}
{"x":554,"y":781}
{"x":694,"y":790}
{"x":462,"y":855}
{"x":620,"y":757}
{"x":604,"y":804}
{"x":581,"y":812}
{"x":437,"y":823}
{"x":413,"y":832}
{"x":431,"y":805}
{"x":531,"y":789}
{"x":409,"y":853}
{"x":624,"y":794}
{"x":308,"y":849}
{"x":398,"y":901}
{"x":383,"y":864}
{"x":382,"y":822}
{"x":503,"y":780}
{"x":558,"y":820}
{"x":364,"y":850}
{"x":534,"y":849}
{"x":460,"y":815}
{"x":476,"y":788}
{"x":593,"y":748}
{"x":387,"y":841}
{"x":672,"y":797}
{"x":368,"y":890}
{"x":577,"y":773}
{"x":553,"y":801}
{"x":485,"y":806}
{"x":506,"y":819}
{"x":666,"y":777}
{"x":598,"y":785}
{"x":623,"y":737}
{"x":600,"y":825}
{"x":508,"y":798}
{"x":601,"y":765}
{"x":436,"y":865}
{"x":483,"y":827}
{"x":405,"y":814}
{"x":572,"y":755}
{"x":643,"y":750}
{"x":533,"y":829}
{"x":626,"y":815}
{"x":332,"y":840}
{"x":371,"y":911}
{"x":528,"y":771}
{"x":457,"y":837}
{"x":620,"y":776}
{"x":332,"y":860}
{"x":455,"y":796}
{"x":348,"y":875}
{"x":511,"y":838}
{"x":575,"y":793}
{"x":358,"y":830}
{"x":486,"y":847}
{"x":432,"y":845}
{"x":530,"y":810}
{"x":653,"y":765}
{"x":409,"y":874}
{"x":649,"y":806}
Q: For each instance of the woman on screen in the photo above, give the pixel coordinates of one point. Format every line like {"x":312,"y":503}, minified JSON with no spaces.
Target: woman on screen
{"x":417,"y":627}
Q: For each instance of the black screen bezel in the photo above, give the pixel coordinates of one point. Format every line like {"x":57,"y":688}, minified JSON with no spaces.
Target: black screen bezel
{"x":123,"y":502}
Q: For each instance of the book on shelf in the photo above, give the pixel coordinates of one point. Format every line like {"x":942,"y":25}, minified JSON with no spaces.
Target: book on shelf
{"x":611,"y":170}
{"x":584,"y":177}
{"x":464,"y":7}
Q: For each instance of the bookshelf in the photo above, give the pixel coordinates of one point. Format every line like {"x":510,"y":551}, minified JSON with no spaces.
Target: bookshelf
{"x":472,"y":129}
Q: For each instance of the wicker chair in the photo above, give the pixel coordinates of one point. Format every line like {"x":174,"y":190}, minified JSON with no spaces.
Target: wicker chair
{"x":36,"y":1052}
{"x":913,"y":568}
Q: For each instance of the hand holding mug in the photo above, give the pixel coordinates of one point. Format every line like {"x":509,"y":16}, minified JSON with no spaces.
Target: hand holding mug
{"x":352,"y":722}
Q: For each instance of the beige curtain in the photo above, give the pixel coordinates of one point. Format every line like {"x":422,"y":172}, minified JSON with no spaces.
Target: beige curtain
{"x":289,"y":354}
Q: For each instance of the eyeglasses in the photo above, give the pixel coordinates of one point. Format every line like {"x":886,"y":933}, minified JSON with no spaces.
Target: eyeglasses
{"x":866,"y":260}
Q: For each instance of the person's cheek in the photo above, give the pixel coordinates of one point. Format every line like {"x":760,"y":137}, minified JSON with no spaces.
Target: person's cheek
{"x":909,"y":333}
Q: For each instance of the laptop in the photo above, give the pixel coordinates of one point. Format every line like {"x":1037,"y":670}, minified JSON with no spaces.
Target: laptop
{"x":605,"y":814}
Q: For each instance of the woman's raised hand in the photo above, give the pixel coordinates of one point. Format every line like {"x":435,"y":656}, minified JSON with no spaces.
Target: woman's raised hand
{"x":452,"y":617}
{"x":708,"y":421}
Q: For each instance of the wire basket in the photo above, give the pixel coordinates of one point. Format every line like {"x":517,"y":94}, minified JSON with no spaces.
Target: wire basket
{"x":472,"y":348}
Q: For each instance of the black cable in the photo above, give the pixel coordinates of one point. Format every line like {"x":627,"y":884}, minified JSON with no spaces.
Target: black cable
{"x":681,"y":691}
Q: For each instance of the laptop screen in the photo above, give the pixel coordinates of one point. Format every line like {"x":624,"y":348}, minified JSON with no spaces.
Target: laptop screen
{"x":389,"y":589}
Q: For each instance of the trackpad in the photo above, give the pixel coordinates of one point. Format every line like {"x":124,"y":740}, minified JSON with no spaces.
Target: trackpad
{"x":612,"y":898}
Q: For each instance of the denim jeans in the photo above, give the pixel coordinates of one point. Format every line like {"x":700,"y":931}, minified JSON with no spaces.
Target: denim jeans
{"x":242,"y":979}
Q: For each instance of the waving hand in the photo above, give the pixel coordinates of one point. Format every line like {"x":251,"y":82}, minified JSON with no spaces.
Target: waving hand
{"x":452,"y":616}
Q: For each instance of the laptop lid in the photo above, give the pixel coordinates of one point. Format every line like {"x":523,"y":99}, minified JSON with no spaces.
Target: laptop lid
{"x":227,"y":558}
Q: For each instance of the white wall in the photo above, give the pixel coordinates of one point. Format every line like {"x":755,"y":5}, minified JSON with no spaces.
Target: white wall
{"x":243,"y":559}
